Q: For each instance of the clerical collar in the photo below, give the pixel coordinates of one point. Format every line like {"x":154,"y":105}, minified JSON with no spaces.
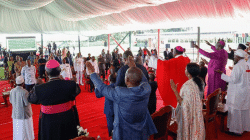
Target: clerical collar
{"x":178,"y":55}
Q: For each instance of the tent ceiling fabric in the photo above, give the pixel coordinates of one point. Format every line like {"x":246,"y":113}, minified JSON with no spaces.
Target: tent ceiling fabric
{"x":45,"y":16}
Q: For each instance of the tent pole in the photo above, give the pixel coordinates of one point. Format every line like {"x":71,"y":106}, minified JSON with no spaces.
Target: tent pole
{"x":159,"y":41}
{"x":79,"y":43}
{"x":108,"y":42}
{"x":198,"y":42}
{"x":121,"y":41}
{"x":41,"y":43}
{"x":118,"y":44}
{"x":130,"y":40}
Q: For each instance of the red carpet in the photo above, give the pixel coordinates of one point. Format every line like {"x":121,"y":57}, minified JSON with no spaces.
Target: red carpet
{"x":90,"y":113}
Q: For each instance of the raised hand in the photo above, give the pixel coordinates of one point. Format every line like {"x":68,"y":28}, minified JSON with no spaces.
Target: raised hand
{"x":204,"y":60}
{"x":196,"y":46}
{"x":219,"y":71}
{"x":207,"y":43}
{"x":229,"y":48}
{"x":173,"y":85}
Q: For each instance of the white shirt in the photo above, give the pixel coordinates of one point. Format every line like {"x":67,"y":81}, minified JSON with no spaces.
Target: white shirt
{"x":46,"y":52}
{"x":78,"y":64}
{"x":66,"y":71}
{"x":95,"y":66}
{"x":29,"y":74}
{"x":152,"y":61}
{"x":238,"y":93}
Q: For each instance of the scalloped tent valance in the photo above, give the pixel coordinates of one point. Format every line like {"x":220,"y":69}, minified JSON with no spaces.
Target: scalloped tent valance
{"x":103,"y":16}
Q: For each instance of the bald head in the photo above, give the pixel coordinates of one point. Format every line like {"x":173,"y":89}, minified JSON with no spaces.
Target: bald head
{"x":133,"y":77}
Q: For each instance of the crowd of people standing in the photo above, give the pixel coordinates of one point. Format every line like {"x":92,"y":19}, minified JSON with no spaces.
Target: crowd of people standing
{"x":130,"y":98}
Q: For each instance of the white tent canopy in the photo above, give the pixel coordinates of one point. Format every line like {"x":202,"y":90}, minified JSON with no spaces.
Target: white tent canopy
{"x":92,"y":17}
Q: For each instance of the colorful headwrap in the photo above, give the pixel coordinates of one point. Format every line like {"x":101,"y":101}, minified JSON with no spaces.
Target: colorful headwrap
{"x":222,"y":43}
{"x":52,"y":64}
{"x":179,"y":48}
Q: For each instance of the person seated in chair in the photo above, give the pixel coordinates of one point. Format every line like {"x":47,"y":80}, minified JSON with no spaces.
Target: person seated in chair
{"x":132,"y":119}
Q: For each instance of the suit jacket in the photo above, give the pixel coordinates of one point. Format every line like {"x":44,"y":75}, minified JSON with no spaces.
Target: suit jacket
{"x":58,"y":59}
{"x":132,"y":118}
{"x":170,"y":55}
{"x":108,"y":105}
{"x":69,"y":61}
{"x":120,"y":79}
{"x":166,"y":55}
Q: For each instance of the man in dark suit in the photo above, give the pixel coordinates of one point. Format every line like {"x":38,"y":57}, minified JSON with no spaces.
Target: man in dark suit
{"x":166,"y":54}
{"x":171,"y":54}
{"x":89,"y":57}
{"x":57,"y":118}
{"x":54,"y":46}
{"x":69,"y":59}
{"x":49,"y":48}
{"x":120,"y":79}
{"x":58,"y":58}
{"x":41,"y":64}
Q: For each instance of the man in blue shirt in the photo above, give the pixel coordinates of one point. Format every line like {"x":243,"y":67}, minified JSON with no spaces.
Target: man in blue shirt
{"x":31,"y":57}
{"x":132,"y":119}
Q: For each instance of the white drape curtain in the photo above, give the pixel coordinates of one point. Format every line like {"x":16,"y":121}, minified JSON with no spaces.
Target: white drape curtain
{"x":24,"y":4}
{"x":93,"y":15}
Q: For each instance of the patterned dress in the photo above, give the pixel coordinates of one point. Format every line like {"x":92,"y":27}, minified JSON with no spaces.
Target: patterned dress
{"x":18,"y":68}
{"x":36,"y":65}
{"x":10,"y":65}
{"x":189,"y":115}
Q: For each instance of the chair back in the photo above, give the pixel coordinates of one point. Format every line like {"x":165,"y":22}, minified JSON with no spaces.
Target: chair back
{"x":222,"y":97}
{"x":83,"y":138}
{"x":162,"y":120}
{"x":212,"y":102}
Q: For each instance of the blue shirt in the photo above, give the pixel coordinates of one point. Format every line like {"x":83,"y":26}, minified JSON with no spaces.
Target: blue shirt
{"x":132,"y":119}
{"x":32,"y":59}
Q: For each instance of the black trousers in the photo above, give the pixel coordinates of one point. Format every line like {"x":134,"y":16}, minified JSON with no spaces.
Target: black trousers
{"x":107,"y":65}
{"x":41,"y":73}
{"x":92,"y":86}
{"x":29,"y":87}
{"x":102,"y":73}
